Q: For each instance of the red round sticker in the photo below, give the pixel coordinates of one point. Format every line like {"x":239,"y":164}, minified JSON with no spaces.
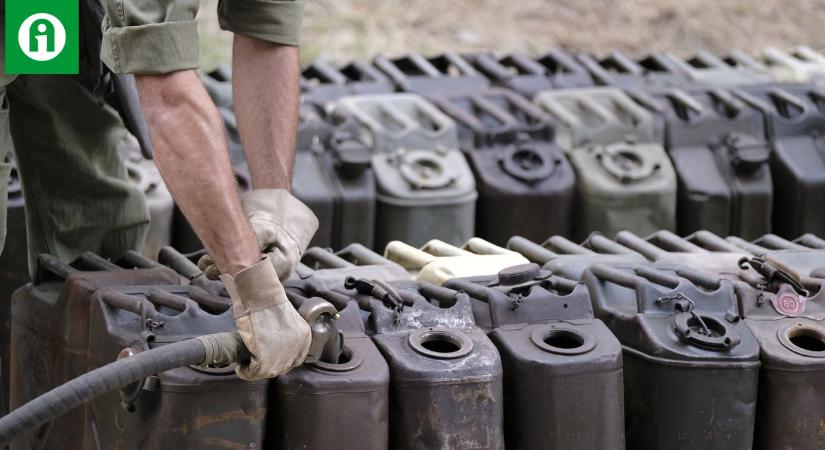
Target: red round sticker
{"x":788,"y":303}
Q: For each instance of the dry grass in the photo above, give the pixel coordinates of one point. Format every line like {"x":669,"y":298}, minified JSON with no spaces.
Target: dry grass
{"x":341,"y":29}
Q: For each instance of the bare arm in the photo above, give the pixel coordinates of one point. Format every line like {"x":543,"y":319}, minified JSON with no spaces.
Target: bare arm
{"x":265,"y":87}
{"x":190,"y":151}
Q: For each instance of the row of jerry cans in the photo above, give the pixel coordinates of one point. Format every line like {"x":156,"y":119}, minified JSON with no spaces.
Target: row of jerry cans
{"x":776,"y":289}
{"x":604,"y":346}
{"x":452,"y":74}
{"x":743,"y":161}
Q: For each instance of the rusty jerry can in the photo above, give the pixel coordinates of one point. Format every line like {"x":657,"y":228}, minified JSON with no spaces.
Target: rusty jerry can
{"x":562,"y":368}
{"x":527,"y":76}
{"x":619,"y":70}
{"x":624,"y":178}
{"x":323,"y":83}
{"x":50,"y":335}
{"x":794,"y":122}
{"x":721,"y":161}
{"x":424,"y":186}
{"x":445,"y":374}
{"x":447,"y":73}
{"x":564,"y":257}
{"x":184,"y":408}
{"x":327,"y":269}
{"x":690,"y":364}
{"x":438,"y":261}
{"x":333,"y":404}
{"x":508,"y":142}
{"x":787,"y":323}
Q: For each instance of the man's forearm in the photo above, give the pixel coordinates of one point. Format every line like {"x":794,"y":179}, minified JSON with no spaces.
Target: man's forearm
{"x":266,"y":94}
{"x":190,"y":151}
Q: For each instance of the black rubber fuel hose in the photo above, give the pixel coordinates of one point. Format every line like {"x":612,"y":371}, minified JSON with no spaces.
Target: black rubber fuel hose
{"x":221,"y":348}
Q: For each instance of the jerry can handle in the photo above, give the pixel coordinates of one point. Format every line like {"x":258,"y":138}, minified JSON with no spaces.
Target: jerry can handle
{"x":734,"y":107}
{"x":493,"y":68}
{"x":324,"y":72}
{"x":781,"y":98}
{"x":684,"y":104}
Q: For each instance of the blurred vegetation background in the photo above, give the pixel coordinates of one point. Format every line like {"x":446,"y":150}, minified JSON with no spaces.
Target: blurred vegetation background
{"x":343,"y":29}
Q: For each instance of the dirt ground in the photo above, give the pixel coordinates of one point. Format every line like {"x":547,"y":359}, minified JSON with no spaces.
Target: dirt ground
{"x":337,"y":30}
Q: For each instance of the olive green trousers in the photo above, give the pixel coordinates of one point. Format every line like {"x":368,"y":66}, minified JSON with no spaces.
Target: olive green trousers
{"x":67,"y":149}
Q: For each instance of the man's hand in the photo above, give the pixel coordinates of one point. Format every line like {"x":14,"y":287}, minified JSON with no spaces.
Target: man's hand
{"x":283,"y":226}
{"x":277,"y":338}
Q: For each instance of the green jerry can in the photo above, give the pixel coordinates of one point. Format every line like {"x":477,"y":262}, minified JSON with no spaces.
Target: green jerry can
{"x":424,"y":187}
{"x":691,"y":365}
{"x":624,"y":178}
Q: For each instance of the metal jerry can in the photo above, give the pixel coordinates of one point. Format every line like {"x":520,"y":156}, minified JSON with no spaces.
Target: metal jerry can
{"x":529,"y":76}
{"x":322,"y":83}
{"x":566,"y":258}
{"x":798,"y":65}
{"x":795,"y":123}
{"x":334,"y":178}
{"x":619,"y":70}
{"x":690,"y":363}
{"x":50,"y":334}
{"x":438,"y":261}
{"x":448,"y":73}
{"x":721,"y":159}
{"x":786,"y":318}
{"x":562,"y":368}
{"x":508,"y":142}
{"x":624,"y":178}
{"x":425,"y":188}
{"x":333,"y":404}
{"x":705,"y":70}
{"x":194,"y":407}
{"x":445,"y":374}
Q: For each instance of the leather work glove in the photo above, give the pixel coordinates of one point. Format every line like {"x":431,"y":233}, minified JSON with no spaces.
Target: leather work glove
{"x":277,"y":338}
{"x":283,"y":225}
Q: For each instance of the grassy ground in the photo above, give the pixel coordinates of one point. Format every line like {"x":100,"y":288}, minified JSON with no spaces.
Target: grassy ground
{"x":337,"y":30}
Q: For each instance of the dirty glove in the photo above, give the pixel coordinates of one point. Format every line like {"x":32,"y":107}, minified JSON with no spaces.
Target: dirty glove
{"x":283,"y":225}
{"x":276,"y":336}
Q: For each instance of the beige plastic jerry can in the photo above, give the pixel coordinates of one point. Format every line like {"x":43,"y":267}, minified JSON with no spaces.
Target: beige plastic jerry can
{"x":438,"y":261}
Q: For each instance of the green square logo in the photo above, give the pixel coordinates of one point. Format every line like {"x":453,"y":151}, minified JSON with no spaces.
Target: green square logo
{"x":42,"y":37}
